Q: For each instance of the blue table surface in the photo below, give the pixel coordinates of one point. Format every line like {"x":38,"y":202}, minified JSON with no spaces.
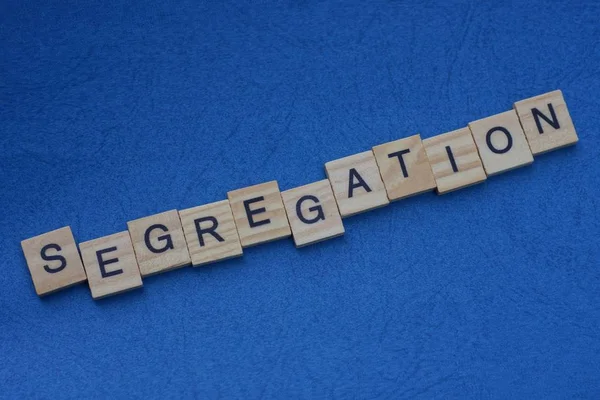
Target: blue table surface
{"x":111,"y":111}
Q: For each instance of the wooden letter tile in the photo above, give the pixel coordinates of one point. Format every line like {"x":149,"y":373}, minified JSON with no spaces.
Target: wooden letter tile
{"x":501,"y":143}
{"x":110,"y":265}
{"x":404,"y":167}
{"x":159,"y":243}
{"x":53,"y":261}
{"x":546,"y":122}
{"x":210,"y":233}
{"x":259,"y":213}
{"x":313,"y":213}
{"x":454,"y":160}
{"x":356,"y":183}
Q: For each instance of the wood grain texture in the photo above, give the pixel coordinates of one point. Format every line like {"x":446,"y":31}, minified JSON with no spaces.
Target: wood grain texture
{"x":170,"y":250}
{"x":501,"y":143}
{"x":459,"y":148}
{"x":554,"y":131}
{"x":360,"y":166}
{"x":52,"y":275}
{"x":267,"y":216}
{"x":319,"y":217}
{"x":404,"y":167}
{"x":206,"y":248}
{"x":121,"y":275}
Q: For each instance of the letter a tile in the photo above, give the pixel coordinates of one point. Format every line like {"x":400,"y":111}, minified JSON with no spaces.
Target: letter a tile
{"x":159,"y":243}
{"x":259,"y":214}
{"x":210,"y":233}
{"x":404,"y":167}
{"x":110,"y":265}
{"x":454,"y":160}
{"x":501,"y":143}
{"x":53,"y":261}
{"x":546,"y":122}
{"x":356,"y":183}
{"x":313,"y":213}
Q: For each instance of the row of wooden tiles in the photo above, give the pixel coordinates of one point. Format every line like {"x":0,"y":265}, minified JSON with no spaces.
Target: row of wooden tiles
{"x":311,"y":213}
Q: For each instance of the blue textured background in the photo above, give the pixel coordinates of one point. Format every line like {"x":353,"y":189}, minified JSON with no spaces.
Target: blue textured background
{"x":111,"y":112}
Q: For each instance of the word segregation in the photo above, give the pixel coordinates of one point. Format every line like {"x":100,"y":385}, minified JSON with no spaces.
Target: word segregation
{"x":312,"y":213}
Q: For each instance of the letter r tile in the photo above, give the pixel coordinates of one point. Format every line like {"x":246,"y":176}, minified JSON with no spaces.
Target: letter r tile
{"x":110,"y":265}
{"x":210,"y":233}
{"x":259,"y":213}
{"x":313,"y":213}
{"x":159,"y":243}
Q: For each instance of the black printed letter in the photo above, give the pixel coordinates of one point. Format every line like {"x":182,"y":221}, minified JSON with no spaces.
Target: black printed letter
{"x":488,"y":139}
{"x":537,"y":115}
{"x":399,"y":154}
{"x":57,"y":257}
{"x":320,"y":215}
{"x":360,"y":183}
{"x":250,"y":213}
{"x":102,"y":263}
{"x":211,"y":230}
{"x":167,"y":238}
{"x":452,"y":160}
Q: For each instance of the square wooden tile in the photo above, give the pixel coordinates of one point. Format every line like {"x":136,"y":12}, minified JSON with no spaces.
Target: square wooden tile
{"x":356,"y":183}
{"x":404,"y":167}
{"x":501,"y":143}
{"x":159,"y":243}
{"x":210,"y":233}
{"x":53,"y":261}
{"x":313,"y":213}
{"x":546,"y":122}
{"x":259,"y":213}
{"x":110,"y":265}
{"x":454,"y":160}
